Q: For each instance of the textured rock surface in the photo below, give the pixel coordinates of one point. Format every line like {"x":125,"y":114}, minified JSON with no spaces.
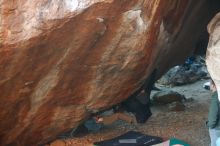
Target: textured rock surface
{"x":186,"y":73}
{"x":167,"y":96}
{"x":176,"y":106}
{"x":213,"y":51}
{"x":62,"y":60}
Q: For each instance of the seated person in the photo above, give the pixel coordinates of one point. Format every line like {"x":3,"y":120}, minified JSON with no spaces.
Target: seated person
{"x":95,"y":123}
{"x":131,"y":111}
{"x":136,"y":109}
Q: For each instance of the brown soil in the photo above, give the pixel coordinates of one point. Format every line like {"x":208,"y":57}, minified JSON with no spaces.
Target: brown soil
{"x":188,"y":125}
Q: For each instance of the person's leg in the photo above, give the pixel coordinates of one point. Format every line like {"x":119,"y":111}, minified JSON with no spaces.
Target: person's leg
{"x":214,"y":134}
{"x":118,"y":116}
{"x":212,"y":137}
{"x":218,"y":142}
{"x":126,"y":117}
{"x":110,"y":119}
{"x":218,"y":138}
{"x":57,"y":143}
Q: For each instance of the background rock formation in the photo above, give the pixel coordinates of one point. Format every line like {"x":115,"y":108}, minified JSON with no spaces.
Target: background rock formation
{"x":62,"y":60}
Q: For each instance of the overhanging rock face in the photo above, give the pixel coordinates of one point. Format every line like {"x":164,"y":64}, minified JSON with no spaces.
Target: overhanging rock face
{"x":62,"y":60}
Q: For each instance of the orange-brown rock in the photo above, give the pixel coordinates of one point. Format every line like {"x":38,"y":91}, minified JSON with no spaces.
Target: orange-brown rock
{"x":61,"y":60}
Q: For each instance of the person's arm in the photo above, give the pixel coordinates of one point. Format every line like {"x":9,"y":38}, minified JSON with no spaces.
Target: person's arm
{"x":213,"y":112}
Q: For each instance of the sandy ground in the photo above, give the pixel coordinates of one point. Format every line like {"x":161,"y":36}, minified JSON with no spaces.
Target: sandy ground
{"x":188,"y":125}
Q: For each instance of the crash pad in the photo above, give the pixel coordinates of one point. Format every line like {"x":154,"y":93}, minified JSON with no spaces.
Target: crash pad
{"x":131,"y":138}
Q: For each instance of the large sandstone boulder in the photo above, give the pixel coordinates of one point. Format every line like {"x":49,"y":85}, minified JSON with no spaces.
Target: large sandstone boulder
{"x":61,"y":60}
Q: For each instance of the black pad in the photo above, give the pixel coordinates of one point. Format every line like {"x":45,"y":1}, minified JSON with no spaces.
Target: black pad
{"x":131,"y":138}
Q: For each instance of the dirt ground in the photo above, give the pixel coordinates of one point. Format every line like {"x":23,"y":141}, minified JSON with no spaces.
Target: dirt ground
{"x":188,"y":125}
